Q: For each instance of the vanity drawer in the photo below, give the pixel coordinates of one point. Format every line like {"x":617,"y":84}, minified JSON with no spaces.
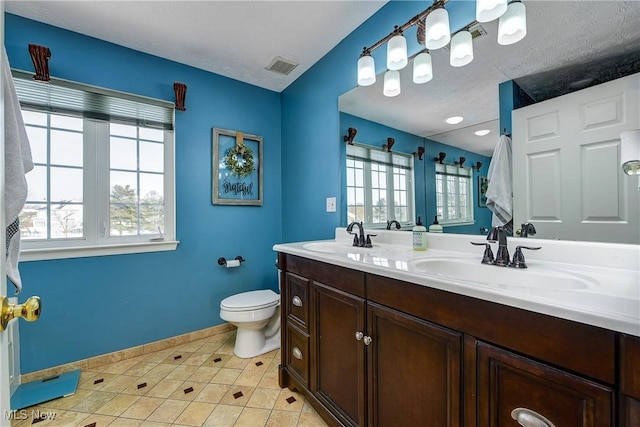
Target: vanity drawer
{"x":297,"y":355}
{"x":297,"y":300}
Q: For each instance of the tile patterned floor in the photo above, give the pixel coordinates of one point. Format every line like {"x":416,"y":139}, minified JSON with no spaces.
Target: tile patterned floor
{"x":196,"y":384}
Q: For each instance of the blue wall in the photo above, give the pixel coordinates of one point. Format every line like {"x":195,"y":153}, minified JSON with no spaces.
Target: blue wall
{"x":98,"y":305}
{"x":311,"y":122}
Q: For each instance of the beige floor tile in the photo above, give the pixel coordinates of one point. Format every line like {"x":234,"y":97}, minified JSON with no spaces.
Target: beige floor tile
{"x":223,"y":416}
{"x":142,"y":408}
{"x":66,"y":418}
{"x":141,"y":386}
{"x":164,"y":388}
{"x":118,"y":367}
{"x":181,"y":372}
{"x":168,"y":411}
{"x":156,"y":356}
{"x":226,"y":348}
{"x":140,"y":369}
{"x":235,"y":362}
{"x":126,"y":422}
{"x":70,"y":401}
{"x":226,"y":376}
{"x":195,"y":414}
{"x":259,"y":363}
{"x":250,"y":378}
{"x":119,"y":383}
{"x":155,"y":424}
{"x":263,"y":398}
{"x":177,"y":357}
{"x":95,"y":401}
{"x":98,"y":382}
{"x":196,"y":359}
{"x":203,"y":374}
{"x":289,"y":401}
{"x":270,"y":380}
{"x":217,"y":360}
{"x":237,"y":395}
{"x":193,"y":346}
{"x":209,"y":348}
{"x":118,"y":405}
{"x":308,"y":419}
{"x":212,"y":393}
{"x":99,"y":420}
{"x":188,"y":390}
{"x":253,"y":417}
{"x":283,"y":419}
{"x":86,"y":378}
{"x":161,"y":370}
{"x":31,"y":415}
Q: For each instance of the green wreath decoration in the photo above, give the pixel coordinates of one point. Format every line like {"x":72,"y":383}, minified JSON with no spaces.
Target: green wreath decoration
{"x":239,"y":160}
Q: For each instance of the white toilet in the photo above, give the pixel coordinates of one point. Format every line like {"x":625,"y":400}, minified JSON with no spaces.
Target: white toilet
{"x":256,"y":314}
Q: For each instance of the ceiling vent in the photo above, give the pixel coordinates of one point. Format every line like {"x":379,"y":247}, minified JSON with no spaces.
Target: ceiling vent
{"x":281,"y":66}
{"x":476,"y":31}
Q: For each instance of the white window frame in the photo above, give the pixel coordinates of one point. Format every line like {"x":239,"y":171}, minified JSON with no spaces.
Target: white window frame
{"x":367,"y":187}
{"x":96,"y":240}
{"x":442,"y":171}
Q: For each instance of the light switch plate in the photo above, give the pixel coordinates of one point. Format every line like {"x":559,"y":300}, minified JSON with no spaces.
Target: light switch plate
{"x":331,"y":204}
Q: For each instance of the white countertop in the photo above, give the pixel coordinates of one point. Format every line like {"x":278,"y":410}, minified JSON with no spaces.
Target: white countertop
{"x":610,"y":299}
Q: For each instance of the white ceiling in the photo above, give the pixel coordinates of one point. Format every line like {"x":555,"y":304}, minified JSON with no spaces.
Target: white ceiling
{"x":236,"y":39}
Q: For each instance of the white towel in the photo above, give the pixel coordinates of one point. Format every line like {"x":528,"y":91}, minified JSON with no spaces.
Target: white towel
{"x":17,"y":162}
{"x":499,"y":190}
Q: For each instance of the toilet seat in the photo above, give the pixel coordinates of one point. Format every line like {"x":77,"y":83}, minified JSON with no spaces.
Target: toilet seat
{"x":252,"y":300}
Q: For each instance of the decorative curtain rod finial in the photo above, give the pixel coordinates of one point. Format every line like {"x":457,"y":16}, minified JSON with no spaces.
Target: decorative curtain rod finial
{"x":181,"y":92}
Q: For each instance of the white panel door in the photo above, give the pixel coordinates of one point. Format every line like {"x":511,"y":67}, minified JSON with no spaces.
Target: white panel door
{"x":566,"y":164}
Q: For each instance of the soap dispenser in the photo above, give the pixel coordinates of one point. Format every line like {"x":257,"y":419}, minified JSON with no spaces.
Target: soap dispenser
{"x":435,"y":227}
{"x":419,"y":236}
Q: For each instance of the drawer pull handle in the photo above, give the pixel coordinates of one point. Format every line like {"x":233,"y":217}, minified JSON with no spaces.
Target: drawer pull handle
{"x":367,"y":340}
{"x":296,"y":353}
{"x":528,"y":418}
{"x":359,"y":335}
{"x":296,"y":301}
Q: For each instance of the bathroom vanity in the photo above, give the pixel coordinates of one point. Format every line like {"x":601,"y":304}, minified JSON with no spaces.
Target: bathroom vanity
{"x":385,"y":336}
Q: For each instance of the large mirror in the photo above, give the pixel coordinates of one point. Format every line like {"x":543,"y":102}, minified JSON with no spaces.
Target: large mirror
{"x":570,"y":45}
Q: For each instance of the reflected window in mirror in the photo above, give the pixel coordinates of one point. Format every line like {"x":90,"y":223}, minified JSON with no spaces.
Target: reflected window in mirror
{"x":379,"y":186}
{"x":454,"y":194}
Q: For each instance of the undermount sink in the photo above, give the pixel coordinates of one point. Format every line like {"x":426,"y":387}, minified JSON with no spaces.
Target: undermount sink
{"x":533,"y":278}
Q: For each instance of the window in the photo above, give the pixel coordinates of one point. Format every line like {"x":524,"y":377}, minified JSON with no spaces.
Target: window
{"x":454,"y":194}
{"x":102,"y":181}
{"x":379,"y":186}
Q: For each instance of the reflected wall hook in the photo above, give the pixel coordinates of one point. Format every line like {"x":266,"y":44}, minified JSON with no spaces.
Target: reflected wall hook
{"x":440,"y":157}
{"x":387,"y":147}
{"x":477,"y":166}
{"x":420,"y":153}
{"x":351,"y":134}
{"x":460,"y":162}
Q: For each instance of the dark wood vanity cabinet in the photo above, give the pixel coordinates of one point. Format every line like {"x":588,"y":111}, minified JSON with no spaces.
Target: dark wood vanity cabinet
{"x":629,"y":381}
{"x":383,"y":352}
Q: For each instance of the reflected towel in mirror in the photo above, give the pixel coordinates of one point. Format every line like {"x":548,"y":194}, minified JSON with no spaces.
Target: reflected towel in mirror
{"x":500,"y":191}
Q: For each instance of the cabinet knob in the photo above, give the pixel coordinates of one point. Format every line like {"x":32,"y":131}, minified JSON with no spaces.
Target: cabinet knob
{"x":296,"y":301}
{"x":367,"y":340}
{"x":528,"y":418}
{"x":359,"y":335}
{"x":295,"y":351}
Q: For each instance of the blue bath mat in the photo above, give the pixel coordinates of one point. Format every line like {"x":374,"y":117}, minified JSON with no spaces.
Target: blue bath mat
{"x":44,"y":390}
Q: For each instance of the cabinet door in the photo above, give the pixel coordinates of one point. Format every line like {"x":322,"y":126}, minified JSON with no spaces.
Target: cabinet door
{"x":511,"y":386}
{"x":339,"y":357}
{"x":414,"y":370}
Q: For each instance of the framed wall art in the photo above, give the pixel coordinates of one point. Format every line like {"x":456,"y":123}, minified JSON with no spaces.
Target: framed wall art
{"x":237,"y":168}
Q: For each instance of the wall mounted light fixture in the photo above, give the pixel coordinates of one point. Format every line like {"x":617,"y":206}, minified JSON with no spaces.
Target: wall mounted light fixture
{"x":440,"y":158}
{"x":460,"y":162}
{"x":419,"y":153}
{"x":477,"y":166}
{"x":387,"y":147}
{"x":351,"y":134}
{"x":434,"y":32}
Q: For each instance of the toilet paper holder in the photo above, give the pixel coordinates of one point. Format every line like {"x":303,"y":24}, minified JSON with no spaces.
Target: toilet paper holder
{"x":223,"y":261}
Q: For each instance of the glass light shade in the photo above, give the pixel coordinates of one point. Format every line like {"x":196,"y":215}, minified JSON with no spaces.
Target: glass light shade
{"x":488,"y":10}
{"x":391,"y":83}
{"x":512,"y":26}
{"x":422,"y":68}
{"x":630,"y":152}
{"x":461,"y":49}
{"x":366,"y":71}
{"x":437,"y":30}
{"x":397,"y":52}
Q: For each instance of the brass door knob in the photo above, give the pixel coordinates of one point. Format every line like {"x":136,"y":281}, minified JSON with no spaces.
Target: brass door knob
{"x":29,"y":311}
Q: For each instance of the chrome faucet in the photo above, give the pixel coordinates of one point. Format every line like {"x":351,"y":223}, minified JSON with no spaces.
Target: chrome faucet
{"x":527,"y":229}
{"x":497,"y":234}
{"x":390,"y":223}
{"x":358,"y":240}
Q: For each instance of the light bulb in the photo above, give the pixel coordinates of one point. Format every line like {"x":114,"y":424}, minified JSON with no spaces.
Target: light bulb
{"x":488,"y":10}
{"x":391,"y":83}
{"x":397,"y":52}
{"x":461,"y":49}
{"x":422,"y":68}
{"x":437,"y":30}
{"x":512,"y":26}
{"x":366,"y":71}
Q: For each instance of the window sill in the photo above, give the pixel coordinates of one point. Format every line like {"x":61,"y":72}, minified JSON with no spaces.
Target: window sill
{"x":90,"y":251}
{"x":454,"y":224}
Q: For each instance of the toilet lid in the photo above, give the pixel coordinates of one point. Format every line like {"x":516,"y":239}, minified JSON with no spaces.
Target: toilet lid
{"x":252,"y":300}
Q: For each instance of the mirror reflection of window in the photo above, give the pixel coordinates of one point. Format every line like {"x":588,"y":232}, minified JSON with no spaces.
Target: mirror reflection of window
{"x":454,"y":194}
{"x":379,"y":186}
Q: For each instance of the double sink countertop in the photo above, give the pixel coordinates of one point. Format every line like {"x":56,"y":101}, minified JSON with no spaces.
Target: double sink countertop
{"x":593,"y":283}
